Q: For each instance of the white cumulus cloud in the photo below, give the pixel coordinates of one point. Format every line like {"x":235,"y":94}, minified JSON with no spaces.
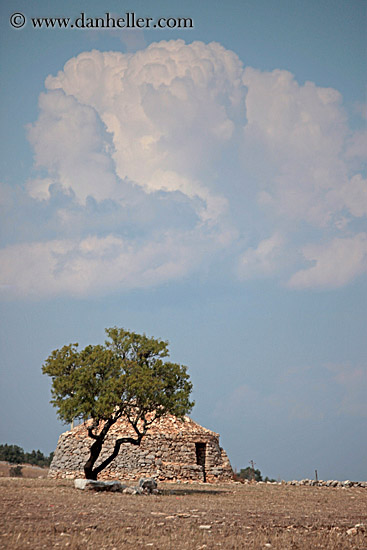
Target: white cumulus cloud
{"x":70,"y":141}
{"x":334,"y":264}
{"x":264,"y":260}
{"x":177,"y":152}
{"x":168,"y":110}
{"x":92,"y":265}
{"x":301,"y":131}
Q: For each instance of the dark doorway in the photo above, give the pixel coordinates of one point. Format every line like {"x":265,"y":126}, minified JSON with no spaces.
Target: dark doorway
{"x":200,"y":457}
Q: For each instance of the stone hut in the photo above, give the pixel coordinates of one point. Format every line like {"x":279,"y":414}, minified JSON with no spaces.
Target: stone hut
{"x":172,"y":450}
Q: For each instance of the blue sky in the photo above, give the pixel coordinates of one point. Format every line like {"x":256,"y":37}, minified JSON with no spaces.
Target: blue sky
{"x":206,"y":186}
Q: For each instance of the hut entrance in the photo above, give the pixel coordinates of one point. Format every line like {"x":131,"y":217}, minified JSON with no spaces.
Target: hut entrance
{"x":200,"y":457}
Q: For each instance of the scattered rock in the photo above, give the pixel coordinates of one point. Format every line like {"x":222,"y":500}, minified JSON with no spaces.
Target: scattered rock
{"x":205,"y":527}
{"x":132,"y":491}
{"x":148,"y":485}
{"x":330,"y":483}
{"x":80,"y":483}
{"x":358,"y":528}
{"x":91,"y":485}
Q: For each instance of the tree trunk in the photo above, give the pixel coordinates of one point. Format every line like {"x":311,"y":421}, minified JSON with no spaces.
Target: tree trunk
{"x":95,"y":451}
{"x":89,"y":471}
{"x":115,"y":452}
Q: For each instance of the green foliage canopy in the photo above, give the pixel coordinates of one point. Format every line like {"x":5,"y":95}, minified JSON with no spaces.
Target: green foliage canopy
{"x":128,"y":373}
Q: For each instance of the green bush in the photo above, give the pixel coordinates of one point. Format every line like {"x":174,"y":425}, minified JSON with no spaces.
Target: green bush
{"x":15,"y":471}
{"x":250,"y":474}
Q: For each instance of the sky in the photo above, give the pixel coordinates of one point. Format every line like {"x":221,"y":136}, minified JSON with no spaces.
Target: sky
{"x":205,"y":185}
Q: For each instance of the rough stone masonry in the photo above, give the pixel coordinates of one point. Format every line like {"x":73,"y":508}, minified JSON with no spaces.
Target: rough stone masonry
{"x":172,"y":450}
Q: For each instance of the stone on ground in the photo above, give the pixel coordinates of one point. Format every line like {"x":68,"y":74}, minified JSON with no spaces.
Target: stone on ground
{"x":91,"y":485}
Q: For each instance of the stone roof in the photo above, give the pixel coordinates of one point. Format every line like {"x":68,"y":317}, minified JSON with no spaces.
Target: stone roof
{"x":168,"y":425}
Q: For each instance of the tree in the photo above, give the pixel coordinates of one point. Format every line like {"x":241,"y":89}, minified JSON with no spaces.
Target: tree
{"x":37,"y":458}
{"x":16,"y":455}
{"x":12,"y":453}
{"x":128,"y":377}
{"x":250,"y":474}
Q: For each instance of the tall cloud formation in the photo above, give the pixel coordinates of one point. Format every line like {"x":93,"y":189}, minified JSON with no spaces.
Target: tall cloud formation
{"x":152,"y":163}
{"x":166,"y":108}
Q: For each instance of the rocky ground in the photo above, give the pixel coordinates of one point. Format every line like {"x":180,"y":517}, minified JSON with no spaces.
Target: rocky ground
{"x":44,"y":513}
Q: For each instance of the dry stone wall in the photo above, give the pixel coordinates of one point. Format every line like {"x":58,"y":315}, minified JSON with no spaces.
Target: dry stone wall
{"x":169,"y":452}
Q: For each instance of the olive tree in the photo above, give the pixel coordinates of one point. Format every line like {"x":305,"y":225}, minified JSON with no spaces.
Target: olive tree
{"x":128,"y":377}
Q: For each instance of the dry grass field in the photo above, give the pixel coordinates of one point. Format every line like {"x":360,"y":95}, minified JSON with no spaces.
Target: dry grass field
{"x":42,"y":513}
{"x":28,"y":471}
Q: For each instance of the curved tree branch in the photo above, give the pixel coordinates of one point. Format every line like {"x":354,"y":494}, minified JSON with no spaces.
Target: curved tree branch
{"x":91,"y":434}
{"x":116,"y":450}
